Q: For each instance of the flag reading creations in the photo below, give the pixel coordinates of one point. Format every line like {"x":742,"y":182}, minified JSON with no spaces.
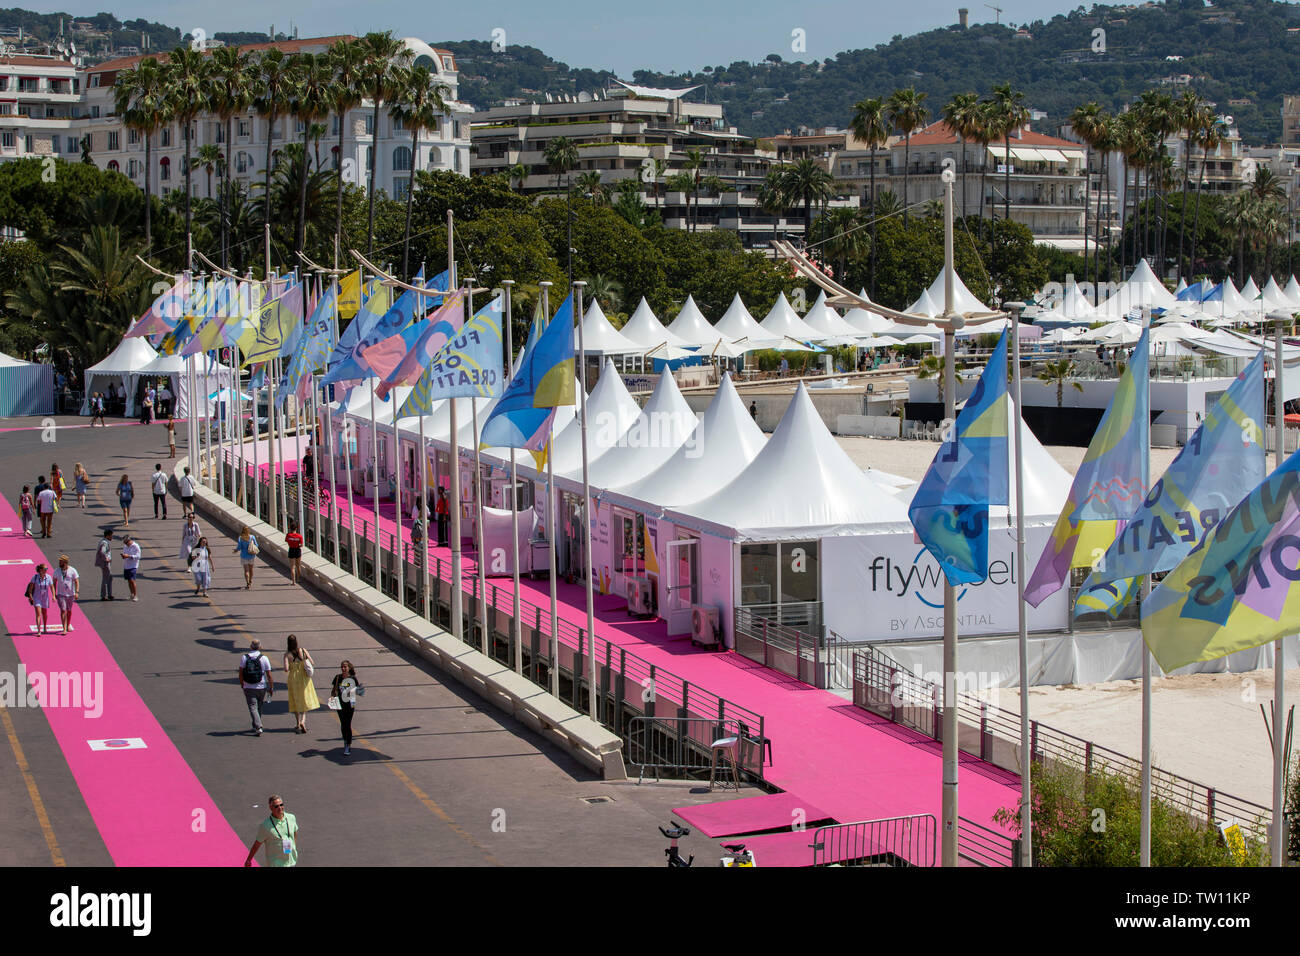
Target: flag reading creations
{"x":467,"y":365}
{"x":522,"y":417}
{"x":1239,"y":587}
{"x":950,"y":510}
{"x":1222,"y":460}
{"x":1109,"y":486}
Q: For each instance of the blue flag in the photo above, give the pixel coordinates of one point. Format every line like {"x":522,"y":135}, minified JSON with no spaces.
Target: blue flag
{"x":468,"y":365}
{"x":543,"y":381}
{"x":950,"y":510}
{"x":354,"y":365}
{"x":313,"y":349}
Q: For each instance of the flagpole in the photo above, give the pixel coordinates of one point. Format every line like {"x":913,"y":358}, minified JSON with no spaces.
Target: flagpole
{"x":221,"y":419}
{"x":478,"y":515}
{"x":516,"y":637}
{"x":374,"y":457}
{"x":951,"y":322}
{"x":1276,"y":842}
{"x":272,"y":509}
{"x":1144,"y":839}
{"x":257,"y":432}
{"x":577,"y":293}
{"x":1026,"y":757}
{"x":457,"y":624}
{"x":550,"y":525}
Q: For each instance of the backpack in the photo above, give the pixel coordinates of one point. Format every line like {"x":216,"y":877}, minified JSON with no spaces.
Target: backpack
{"x":251,"y":671}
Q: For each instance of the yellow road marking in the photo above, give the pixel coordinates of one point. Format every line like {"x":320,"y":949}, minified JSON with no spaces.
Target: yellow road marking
{"x":43,"y":818}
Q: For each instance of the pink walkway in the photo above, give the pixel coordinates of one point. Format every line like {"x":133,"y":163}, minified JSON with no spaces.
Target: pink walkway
{"x":849,"y":763}
{"x":144,"y":801}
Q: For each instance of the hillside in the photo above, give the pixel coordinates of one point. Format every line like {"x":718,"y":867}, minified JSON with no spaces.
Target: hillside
{"x":101,"y":34}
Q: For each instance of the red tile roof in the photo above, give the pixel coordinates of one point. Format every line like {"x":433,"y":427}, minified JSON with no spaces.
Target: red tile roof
{"x":941,"y":134}
{"x":18,"y":59}
{"x":288,"y":46}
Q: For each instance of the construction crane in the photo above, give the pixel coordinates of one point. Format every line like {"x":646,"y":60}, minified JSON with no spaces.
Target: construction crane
{"x":997,"y":12}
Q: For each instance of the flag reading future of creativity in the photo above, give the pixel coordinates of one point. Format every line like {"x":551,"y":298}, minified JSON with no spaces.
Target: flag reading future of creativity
{"x":1222,"y":460}
{"x":950,"y":510}
{"x":467,"y":365}
{"x":522,"y":417}
{"x":1108,"y":488}
{"x":1240,"y":586}
{"x":402,"y":358}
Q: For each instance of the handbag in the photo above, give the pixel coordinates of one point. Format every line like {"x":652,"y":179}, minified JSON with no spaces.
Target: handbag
{"x":252,"y":546}
{"x":333,"y":704}
{"x":308,"y":667}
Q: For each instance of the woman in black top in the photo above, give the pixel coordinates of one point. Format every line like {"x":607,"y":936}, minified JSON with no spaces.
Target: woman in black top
{"x":346,"y":688}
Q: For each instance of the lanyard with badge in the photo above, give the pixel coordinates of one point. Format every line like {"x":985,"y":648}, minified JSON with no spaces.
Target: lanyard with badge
{"x":286,"y":842}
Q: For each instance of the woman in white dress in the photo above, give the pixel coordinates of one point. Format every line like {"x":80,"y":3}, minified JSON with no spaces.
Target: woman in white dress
{"x":190,"y":535}
{"x":201,"y":567}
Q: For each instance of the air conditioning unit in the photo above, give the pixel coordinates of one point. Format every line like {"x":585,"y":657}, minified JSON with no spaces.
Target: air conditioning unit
{"x":705,"y":630}
{"x":640,"y":597}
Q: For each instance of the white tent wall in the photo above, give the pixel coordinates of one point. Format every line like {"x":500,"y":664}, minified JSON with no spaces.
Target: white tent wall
{"x":26,"y":388}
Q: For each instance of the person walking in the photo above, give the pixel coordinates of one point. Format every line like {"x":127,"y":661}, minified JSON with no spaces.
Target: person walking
{"x":440,"y":511}
{"x":279,"y":834}
{"x":190,"y":534}
{"x":146,"y":407}
{"x":257,"y":683}
{"x":125,"y":495}
{"x":104,"y":561}
{"x":753,"y":410}
{"x":57,"y":482}
{"x":39,"y":589}
{"x":343,"y":698}
{"x":186,"y":487}
{"x":299,"y":668}
{"x":200,"y":561}
{"x":97,"y":410}
{"x":158,"y":481}
{"x":81,"y":482}
{"x":47,"y":503}
{"x":294,"y":541}
{"x":27,"y":509}
{"x":67,"y":590}
{"x":130,"y":563}
{"x":247,"y":548}
{"x":171,"y":438}
{"x":165,"y":401}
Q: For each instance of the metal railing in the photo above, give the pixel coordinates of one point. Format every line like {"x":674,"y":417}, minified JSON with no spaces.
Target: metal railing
{"x":980,"y":846}
{"x":885,"y":687}
{"x":892,"y":842}
{"x":783,"y":647}
{"x":682,"y":746}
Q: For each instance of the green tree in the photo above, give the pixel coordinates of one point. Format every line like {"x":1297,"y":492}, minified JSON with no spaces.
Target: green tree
{"x":187,"y":88}
{"x":1060,"y":373}
{"x":421,"y":106}
{"x":907,"y":114}
{"x":232,"y":84}
{"x":209,"y":159}
{"x":313,"y":96}
{"x":808,"y":182}
{"x":383,"y":52}
{"x":963,"y":115}
{"x":140,"y":98}
{"x":348,"y":60}
{"x":870,"y":126}
{"x":275,"y":79}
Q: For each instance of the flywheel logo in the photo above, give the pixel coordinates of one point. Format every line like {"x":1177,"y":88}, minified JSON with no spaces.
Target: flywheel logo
{"x":924,"y":580}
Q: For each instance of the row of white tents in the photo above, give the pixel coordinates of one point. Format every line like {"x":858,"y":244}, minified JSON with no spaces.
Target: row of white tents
{"x":135,"y":359}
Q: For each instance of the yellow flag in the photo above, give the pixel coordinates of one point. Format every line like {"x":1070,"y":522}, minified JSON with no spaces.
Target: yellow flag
{"x":349,"y":295}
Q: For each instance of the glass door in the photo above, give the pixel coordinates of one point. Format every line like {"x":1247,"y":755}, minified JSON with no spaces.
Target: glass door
{"x":682,"y":562}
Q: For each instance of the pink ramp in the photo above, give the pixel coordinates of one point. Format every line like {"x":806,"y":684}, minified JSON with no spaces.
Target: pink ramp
{"x":148,"y":805}
{"x":776,"y":811}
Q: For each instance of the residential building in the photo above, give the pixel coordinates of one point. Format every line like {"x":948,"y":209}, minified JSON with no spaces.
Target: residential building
{"x":39,"y":98}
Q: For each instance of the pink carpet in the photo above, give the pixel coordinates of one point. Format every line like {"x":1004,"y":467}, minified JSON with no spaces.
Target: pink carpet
{"x":146,"y":803}
{"x":774,"y":811}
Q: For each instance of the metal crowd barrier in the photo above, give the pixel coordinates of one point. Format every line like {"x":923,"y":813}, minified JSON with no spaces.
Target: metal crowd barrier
{"x":890,"y":842}
{"x":682,"y":745}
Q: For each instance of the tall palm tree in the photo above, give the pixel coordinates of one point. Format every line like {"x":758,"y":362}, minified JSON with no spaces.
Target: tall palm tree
{"x":1270,"y":204}
{"x":962,"y":114}
{"x":1010,"y":115}
{"x":316,"y":130}
{"x":984,"y":132}
{"x":808,"y":182}
{"x":421,"y":105}
{"x":516,"y":174}
{"x":905,"y":111}
{"x":208,"y":158}
{"x":139,"y":97}
{"x":312,"y":100}
{"x":1086,"y":123}
{"x":232,"y":82}
{"x":772,"y":198}
{"x":383,"y":52}
{"x":1208,"y":135}
{"x":348,"y":59}
{"x":1162,"y":119}
{"x":187,"y":82}
{"x":1240,"y":218}
{"x":562,"y":156}
{"x":871,"y":126}
{"x":275,"y":78}
{"x":695,"y":161}
{"x":839,"y":234}
{"x":1105,"y":143}
{"x":1188,"y":107}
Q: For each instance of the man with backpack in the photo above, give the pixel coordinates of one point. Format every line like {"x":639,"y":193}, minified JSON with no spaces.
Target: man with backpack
{"x":257,"y":683}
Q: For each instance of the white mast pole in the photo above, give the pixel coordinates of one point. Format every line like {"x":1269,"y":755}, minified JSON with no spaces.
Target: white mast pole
{"x":952,"y":321}
{"x":516,"y":633}
{"x":551,"y":529}
{"x":1026,"y":763}
{"x":593,"y":711}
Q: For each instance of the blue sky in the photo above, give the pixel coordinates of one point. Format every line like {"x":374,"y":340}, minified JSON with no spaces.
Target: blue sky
{"x":669,"y":35}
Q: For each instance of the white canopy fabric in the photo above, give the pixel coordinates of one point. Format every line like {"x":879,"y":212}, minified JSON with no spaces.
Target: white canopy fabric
{"x":610,"y":412}
{"x":1230,"y":304}
{"x":822,"y":318}
{"x":870,"y":323}
{"x":1274,"y":298}
{"x":119,"y":367}
{"x":924,"y":305}
{"x":599,"y":336}
{"x":736,"y":323}
{"x":1103,"y":333}
{"x":1177,"y":331}
{"x":645,"y":329}
{"x":1142,"y":290}
{"x":800,"y":485}
{"x":8,"y":361}
{"x":721,"y":447}
{"x":1292,"y":292}
{"x":1181,"y":287}
{"x":784,"y":322}
{"x":1076,"y":306}
{"x":1250,"y":291}
{"x":692,"y":327}
{"x":963,"y":299}
{"x":661,"y":428}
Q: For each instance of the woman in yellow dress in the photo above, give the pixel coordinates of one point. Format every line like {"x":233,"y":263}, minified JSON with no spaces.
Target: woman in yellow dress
{"x":302,"y":693}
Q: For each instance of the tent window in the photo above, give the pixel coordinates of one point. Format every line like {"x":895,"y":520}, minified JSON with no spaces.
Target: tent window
{"x":760,"y":568}
{"x":799,"y":572}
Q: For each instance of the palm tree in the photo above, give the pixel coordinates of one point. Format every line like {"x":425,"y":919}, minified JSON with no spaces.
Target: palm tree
{"x":1208,"y":135}
{"x":316,"y":130}
{"x":1105,"y":142}
{"x":1060,"y":373}
{"x":1162,"y":118}
{"x":1239,"y":219}
{"x":695,"y":160}
{"x":517,"y":173}
{"x":1010,"y":114}
{"x":589,"y":184}
{"x":208,"y":158}
{"x":347,"y":58}
{"x":807,"y":181}
{"x":608,"y":292}
{"x":962,"y":114}
{"x":422,"y":103}
{"x":187,"y":81}
{"x":1270,"y":204}
{"x":232,"y":83}
{"x":1086,"y":123}
{"x":772,"y":198}
{"x":841,"y":234}
{"x":1189,"y":107}
{"x":887,"y":204}
{"x":984,"y":132}
{"x":383,"y":52}
{"x":870,"y":126}
{"x":139,"y":98}
{"x":562,"y":156}
{"x":658,"y":168}
{"x":312,"y":99}
{"x":275,"y":76}
{"x":905,"y":112}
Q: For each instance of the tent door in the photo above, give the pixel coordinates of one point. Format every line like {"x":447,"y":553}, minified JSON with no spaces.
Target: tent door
{"x":682,"y":564}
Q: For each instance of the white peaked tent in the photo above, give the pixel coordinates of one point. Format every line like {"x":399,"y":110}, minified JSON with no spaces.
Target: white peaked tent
{"x":784,"y":322}
{"x":1142,"y":290}
{"x":722,"y":446}
{"x":1076,"y":306}
{"x":867,"y":323}
{"x":645,"y":330}
{"x":1250,"y":291}
{"x":120,"y":368}
{"x":801,"y":485}
{"x":692,"y":327}
{"x":1230,"y":304}
{"x":663,"y":426}
{"x":1181,"y":287}
{"x":924,"y":305}
{"x":827,"y":321}
{"x":736,"y":323}
{"x":599,"y":336}
{"x":1292,"y":292}
{"x":210,"y":376}
{"x":1274,"y":298}
{"x":610,"y":412}
{"x":964,"y":300}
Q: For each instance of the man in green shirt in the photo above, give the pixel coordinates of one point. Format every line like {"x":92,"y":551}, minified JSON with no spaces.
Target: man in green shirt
{"x":279,"y":832}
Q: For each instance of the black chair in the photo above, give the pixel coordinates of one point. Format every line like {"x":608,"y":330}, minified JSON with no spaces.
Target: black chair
{"x":764,"y":743}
